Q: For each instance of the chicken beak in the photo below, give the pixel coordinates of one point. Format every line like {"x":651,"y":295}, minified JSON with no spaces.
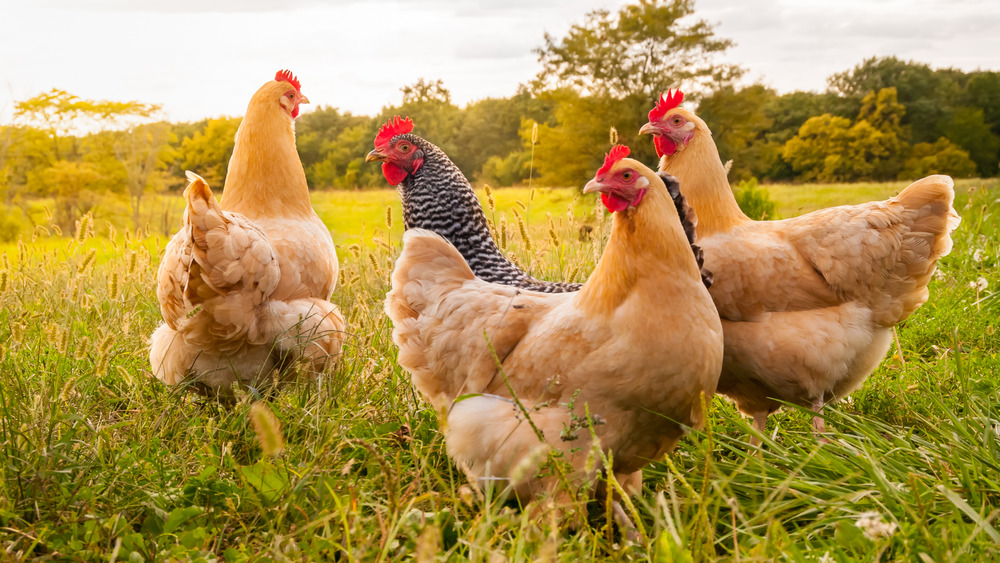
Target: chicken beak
{"x":594,"y":185}
{"x":649,"y":129}
{"x":376,"y":155}
{"x":303,"y":100}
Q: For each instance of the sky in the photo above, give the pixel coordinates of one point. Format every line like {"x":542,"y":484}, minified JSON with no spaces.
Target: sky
{"x":203,"y":58}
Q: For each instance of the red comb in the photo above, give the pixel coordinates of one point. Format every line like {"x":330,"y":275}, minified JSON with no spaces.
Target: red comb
{"x":666,"y":104}
{"x":616,"y":153}
{"x":287,"y":76}
{"x":395,"y":126}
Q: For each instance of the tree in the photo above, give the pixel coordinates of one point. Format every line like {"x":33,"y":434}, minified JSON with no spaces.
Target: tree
{"x":883,"y":149}
{"x":926,"y":94}
{"x":983,"y":91}
{"x":71,"y":185}
{"x":317,"y":134}
{"x":883,"y":111}
{"x":816,"y":152}
{"x":968,"y":129}
{"x":739,"y":120}
{"x":572,"y":144}
{"x":144,"y":152}
{"x":830,"y":149}
{"x":435,"y":118}
{"x":940,"y":157}
{"x":62,"y":114}
{"x":207,"y":152}
{"x":644,"y":49}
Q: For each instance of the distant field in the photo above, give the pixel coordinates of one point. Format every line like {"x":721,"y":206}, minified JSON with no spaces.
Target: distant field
{"x":354,"y":217}
{"x":796,"y":199}
{"x":349,"y":214}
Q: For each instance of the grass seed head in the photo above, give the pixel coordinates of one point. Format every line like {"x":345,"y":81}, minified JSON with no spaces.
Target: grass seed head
{"x":133,"y":261}
{"x":525,"y":237}
{"x":83,"y":227}
{"x":388,"y":216}
{"x":489,"y":198}
{"x":267,"y":428}
{"x":553,"y":236}
{"x":88,"y":260}
{"x":113,"y":285}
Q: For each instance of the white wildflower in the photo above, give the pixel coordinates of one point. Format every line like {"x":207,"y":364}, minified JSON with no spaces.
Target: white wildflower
{"x":979,"y":284}
{"x":874,"y":527}
{"x":827,"y":558}
{"x":939,"y":274}
{"x":978,"y":255}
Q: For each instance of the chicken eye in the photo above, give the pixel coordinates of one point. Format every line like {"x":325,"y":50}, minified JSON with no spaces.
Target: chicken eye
{"x":404,"y":147}
{"x":627,"y":175}
{"x":677,"y":120}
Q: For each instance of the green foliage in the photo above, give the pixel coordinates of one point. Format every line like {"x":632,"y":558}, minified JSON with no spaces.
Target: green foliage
{"x":740,"y":135}
{"x":207,"y":152}
{"x":755,"y":201}
{"x":969,"y":130}
{"x":507,"y":171}
{"x":647,"y":47}
{"x":571,"y":145}
{"x":926,"y":94}
{"x":939,"y":157}
{"x":830,"y":149}
{"x":13,"y":223}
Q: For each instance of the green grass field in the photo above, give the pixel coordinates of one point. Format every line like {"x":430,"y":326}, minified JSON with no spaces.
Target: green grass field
{"x":101,"y":461}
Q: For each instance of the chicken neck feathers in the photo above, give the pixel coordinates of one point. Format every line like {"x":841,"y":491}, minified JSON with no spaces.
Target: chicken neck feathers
{"x":265,"y":176}
{"x":439,"y":198}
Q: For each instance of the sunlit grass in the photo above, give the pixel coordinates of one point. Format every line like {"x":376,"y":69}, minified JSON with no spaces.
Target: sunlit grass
{"x":100,"y":460}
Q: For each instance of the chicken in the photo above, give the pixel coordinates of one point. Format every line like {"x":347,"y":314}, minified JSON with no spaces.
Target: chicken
{"x":636,"y":348}
{"x":807,"y":304}
{"x":437,"y":196}
{"x":244,"y":286}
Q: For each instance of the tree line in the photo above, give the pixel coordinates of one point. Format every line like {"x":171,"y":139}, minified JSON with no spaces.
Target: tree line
{"x":884,"y":119}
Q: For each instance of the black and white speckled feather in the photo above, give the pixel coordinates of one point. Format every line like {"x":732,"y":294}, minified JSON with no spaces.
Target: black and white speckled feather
{"x":439,"y":198}
{"x":689,"y":220}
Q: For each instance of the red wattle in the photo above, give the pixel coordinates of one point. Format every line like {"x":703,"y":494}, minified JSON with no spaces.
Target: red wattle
{"x":417,"y":163}
{"x":664,"y":145}
{"x":393,"y":174}
{"x":613,"y":202}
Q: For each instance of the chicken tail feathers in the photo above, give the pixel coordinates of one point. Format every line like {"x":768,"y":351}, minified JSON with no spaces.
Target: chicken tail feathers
{"x":689,"y":220}
{"x":932,"y":198}
{"x":233,"y":269}
{"x":430,"y":262}
{"x":930,"y":218}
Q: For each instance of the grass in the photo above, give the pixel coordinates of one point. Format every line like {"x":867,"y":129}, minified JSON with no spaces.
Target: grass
{"x":100,"y":461}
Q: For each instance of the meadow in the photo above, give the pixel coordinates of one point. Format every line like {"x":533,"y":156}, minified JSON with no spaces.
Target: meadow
{"x":101,"y":461}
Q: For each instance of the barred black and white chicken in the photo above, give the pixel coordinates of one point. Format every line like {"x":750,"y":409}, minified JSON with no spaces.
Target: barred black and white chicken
{"x":438,"y":197}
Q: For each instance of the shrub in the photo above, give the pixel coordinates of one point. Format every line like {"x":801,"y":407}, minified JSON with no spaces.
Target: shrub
{"x":755,"y":201}
{"x":12,"y":223}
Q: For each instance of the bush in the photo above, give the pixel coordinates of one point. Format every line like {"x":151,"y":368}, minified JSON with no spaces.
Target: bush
{"x":939,"y":157}
{"x":755,"y":201}
{"x":12,"y":223}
